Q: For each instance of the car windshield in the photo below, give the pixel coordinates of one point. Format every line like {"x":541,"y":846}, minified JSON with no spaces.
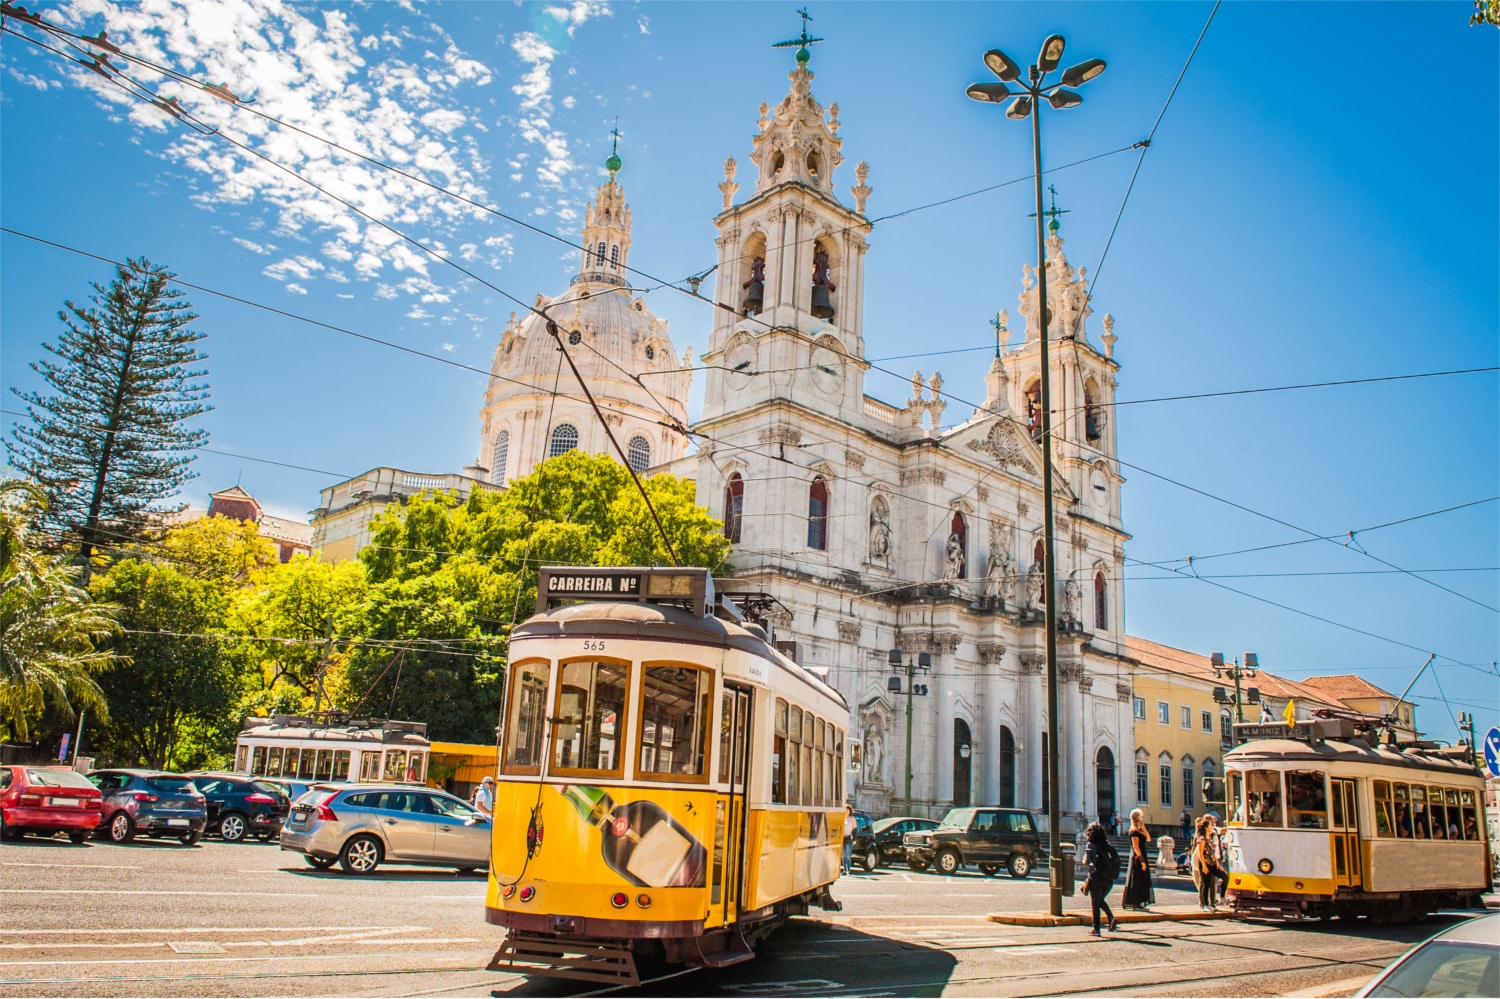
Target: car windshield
{"x":317,"y":796}
{"x":268,"y":788}
{"x":172,"y":785}
{"x":451,"y":807}
{"x":1445,"y":968}
{"x":958,"y":818}
{"x":57,"y":778}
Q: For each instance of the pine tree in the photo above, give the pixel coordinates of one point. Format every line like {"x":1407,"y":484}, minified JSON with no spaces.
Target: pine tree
{"x":111,"y":440}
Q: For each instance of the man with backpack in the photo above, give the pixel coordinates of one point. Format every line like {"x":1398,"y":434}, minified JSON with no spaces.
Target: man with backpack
{"x":1103,"y":865}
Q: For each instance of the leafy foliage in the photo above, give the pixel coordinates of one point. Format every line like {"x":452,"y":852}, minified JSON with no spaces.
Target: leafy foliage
{"x":110,"y":440}
{"x":1485,"y":12}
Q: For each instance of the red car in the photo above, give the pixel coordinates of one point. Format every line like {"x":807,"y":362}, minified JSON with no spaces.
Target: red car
{"x":47,"y":800}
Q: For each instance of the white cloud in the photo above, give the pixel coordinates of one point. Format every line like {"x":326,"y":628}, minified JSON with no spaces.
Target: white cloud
{"x":448,"y":347}
{"x":253,"y":247}
{"x":296,"y":288}
{"x":417,"y":312}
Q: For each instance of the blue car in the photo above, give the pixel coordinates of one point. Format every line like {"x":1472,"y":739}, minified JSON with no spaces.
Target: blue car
{"x":149,"y":803}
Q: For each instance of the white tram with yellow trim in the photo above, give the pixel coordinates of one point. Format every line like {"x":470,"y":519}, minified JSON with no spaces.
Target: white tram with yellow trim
{"x":670,"y":785}
{"x":1322,"y":823}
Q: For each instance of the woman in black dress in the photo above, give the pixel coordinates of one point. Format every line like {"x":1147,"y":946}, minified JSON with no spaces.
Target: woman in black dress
{"x":1138,"y":891}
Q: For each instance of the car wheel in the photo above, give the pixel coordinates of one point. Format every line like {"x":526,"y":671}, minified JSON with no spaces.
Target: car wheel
{"x":232,"y":827}
{"x":191,"y":839}
{"x":917,"y":865}
{"x":78,"y":838}
{"x":1020,"y":865}
{"x":360,"y":855}
{"x":318,"y":862}
{"x":989,"y":870}
{"x":871,"y":859}
{"x":6,"y":832}
{"x":121,"y":828}
{"x":948,"y":861}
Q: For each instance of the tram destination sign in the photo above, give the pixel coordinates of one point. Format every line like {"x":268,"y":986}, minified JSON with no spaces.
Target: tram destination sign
{"x":559,"y":585}
{"x":1305,"y":731}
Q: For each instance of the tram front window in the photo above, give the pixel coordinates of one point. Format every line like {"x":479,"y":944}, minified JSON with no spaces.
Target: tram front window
{"x":1263,"y":797}
{"x":527,"y":715}
{"x":1306,"y":799}
{"x":1383,"y":825}
{"x":673,"y":699}
{"x":1234,"y":801}
{"x":591,"y":706}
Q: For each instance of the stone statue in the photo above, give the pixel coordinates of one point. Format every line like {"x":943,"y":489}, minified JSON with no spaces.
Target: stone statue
{"x":1000,"y":581}
{"x":880,"y":533}
{"x":1072,"y":600}
{"x":874,"y":755}
{"x":953,"y":554}
{"x":1034,"y":585}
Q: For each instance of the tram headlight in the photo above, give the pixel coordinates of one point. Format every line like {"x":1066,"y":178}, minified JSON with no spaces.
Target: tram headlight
{"x":1265,"y":866}
{"x":507,"y":891}
{"x":619,"y":900}
{"x":643,"y":900}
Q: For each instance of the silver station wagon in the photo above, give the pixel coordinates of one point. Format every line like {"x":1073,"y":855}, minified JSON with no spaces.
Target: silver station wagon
{"x":366,"y":825}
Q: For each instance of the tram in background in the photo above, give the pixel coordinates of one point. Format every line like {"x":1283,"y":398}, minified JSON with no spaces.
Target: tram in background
{"x":1323,"y":823}
{"x":671,"y":787}
{"x":294,"y":747}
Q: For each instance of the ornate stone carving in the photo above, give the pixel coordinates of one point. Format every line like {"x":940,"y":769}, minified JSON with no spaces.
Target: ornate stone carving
{"x":1085,"y":684}
{"x":982,"y":494}
{"x":915,"y":476}
{"x":1123,"y":692}
{"x":880,"y":530}
{"x":991,"y":652}
{"x":1109,"y":334}
{"x":954,"y":558}
{"x":1034,"y":585}
{"x":1006,"y":445}
{"x":946,"y":642}
{"x":1069,"y":672}
{"x":1022,"y":509}
{"x":849,"y":632}
{"x":1000,"y":579}
{"x":781,"y":435}
{"x":1033,"y":664}
{"x":861,"y":190}
{"x":1072,"y":601}
{"x":728,"y":187}
{"x":854,"y":459}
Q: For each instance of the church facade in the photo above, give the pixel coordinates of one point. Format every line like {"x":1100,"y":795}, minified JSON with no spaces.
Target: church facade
{"x":875,"y":526}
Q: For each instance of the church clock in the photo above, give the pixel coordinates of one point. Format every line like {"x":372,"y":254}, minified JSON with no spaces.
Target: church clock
{"x":740,"y":360}
{"x":827,"y":370}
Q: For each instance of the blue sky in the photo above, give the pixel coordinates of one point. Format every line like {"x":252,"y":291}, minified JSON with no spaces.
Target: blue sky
{"x":1318,"y":204}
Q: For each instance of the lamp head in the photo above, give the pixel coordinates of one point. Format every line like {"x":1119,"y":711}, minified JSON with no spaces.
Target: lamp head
{"x":924,"y":660}
{"x":1051,"y":54}
{"x":1252,"y":661}
{"x":893,"y":657}
{"x":1002,"y":65}
{"x":1077,"y":76}
{"x":1019,"y":109}
{"x":992,"y":93}
{"x":1064,"y":98}
{"x":1216,"y":660}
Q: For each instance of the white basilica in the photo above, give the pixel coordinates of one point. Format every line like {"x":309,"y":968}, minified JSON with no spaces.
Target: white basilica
{"x":874,"y":526}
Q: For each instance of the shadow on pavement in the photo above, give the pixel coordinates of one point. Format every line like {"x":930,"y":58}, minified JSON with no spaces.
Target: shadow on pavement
{"x":382,"y":875}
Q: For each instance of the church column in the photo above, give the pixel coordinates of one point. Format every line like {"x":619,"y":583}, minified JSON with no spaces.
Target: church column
{"x":987,"y":791}
{"x":1034,"y":723}
{"x":940,"y":760}
{"x":1075,"y":743}
{"x":786,"y":284}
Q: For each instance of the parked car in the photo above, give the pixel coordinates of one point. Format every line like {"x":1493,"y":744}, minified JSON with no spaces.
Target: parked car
{"x":990,"y":837}
{"x":1463,"y":960}
{"x":239,"y":806}
{"x":150,"y":803}
{"x":47,"y":800}
{"x":883,"y":842}
{"x":363,"y":826}
{"x":293,"y":789}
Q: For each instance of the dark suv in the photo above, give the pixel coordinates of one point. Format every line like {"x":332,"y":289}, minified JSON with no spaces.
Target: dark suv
{"x":149,"y":803}
{"x":239,"y":806}
{"x":990,"y":837}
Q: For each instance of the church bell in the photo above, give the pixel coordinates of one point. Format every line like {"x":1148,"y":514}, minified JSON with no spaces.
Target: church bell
{"x":755,"y":295}
{"x":822,"y":305}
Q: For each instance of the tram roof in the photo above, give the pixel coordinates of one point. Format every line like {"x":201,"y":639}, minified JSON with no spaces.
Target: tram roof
{"x":1351,"y":751}
{"x":663,"y":623}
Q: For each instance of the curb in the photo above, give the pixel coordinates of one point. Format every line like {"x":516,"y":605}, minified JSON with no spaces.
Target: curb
{"x":1079,"y":919}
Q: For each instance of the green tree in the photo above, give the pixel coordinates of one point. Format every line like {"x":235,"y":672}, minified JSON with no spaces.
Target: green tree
{"x":219,"y":548}
{"x":1485,"y":12}
{"x":112,"y":438}
{"x":49,"y":626}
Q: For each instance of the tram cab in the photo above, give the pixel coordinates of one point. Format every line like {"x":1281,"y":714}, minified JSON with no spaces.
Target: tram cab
{"x":670,"y":785}
{"x":1321,"y":822}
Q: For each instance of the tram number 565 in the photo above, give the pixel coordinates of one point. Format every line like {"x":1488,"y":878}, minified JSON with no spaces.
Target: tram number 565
{"x":593,"y":645}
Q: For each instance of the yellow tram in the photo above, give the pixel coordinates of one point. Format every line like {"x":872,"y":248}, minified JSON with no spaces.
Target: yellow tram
{"x":1324,"y":823}
{"x":670,"y":785}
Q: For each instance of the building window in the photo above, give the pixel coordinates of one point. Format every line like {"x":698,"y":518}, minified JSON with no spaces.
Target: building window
{"x":1140,"y":708}
{"x":1163,"y":713}
{"x":957,"y":552}
{"x":1226,"y":733}
{"x":1101,"y":603}
{"x":564,"y":439}
{"x":1039,"y":557}
{"x":1208,"y":722}
{"x":614,"y":258}
{"x":1187,"y":783}
{"x":1142,"y":782}
{"x":1187,"y":716}
{"x":640,"y":454}
{"x":734,"y":507}
{"x":1165,"y":768}
{"x":1007,"y":768}
{"x":599,"y":256}
{"x":817,"y":515}
{"x":501,"y":457}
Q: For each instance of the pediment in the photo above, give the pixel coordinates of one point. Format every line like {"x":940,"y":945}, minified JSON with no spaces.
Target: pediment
{"x":1008,"y":446}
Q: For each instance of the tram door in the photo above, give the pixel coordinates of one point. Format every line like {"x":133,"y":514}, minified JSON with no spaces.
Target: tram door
{"x":731,"y":875}
{"x":1346,"y":846}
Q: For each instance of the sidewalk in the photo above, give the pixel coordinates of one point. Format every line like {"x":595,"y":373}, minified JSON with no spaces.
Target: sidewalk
{"x":1075,"y":914}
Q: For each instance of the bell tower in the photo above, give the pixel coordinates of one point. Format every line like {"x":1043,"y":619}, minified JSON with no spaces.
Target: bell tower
{"x":606,"y":228}
{"x":790,"y":276}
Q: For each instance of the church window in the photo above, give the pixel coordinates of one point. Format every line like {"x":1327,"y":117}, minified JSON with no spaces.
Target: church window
{"x":599,"y":256}
{"x":1093,"y":417}
{"x":734,"y":507}
{"x":1101,"y":603}
{"x":502,"y":455}
{"x":1007,"y":768}
{"x":614,"y":257}
{"x":958,"y":547}
{"x":812,"y":165}
{"x":776,"y":165}
{"x":575,"y":337}
{"x":817,"y":515}
{"x":1034,"y":410}
{"x":650,"y":352}
{"x":640,"y":454}
{"x":564,"y":439}
{"x":1039,"y":557}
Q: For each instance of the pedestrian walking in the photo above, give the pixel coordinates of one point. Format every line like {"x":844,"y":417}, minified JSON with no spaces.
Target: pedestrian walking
{"x":1103,"y":866}
{"x":1187,"y":826}
{"x":1139,"y":893}
{"x":484,"y":797}
{"x":1206,"y":868}
{"x":849,"y":827}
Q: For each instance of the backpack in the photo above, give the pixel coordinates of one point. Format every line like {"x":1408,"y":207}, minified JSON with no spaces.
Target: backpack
{"x":1109,"y":863}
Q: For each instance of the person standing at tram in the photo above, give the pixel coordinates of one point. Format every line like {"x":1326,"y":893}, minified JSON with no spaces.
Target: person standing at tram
{"x":484,"y":797}
{"x":1103,"y":866}
{"x":1205,"y":859}
{"x":849,"y":826}
{"x":1139,"y":893}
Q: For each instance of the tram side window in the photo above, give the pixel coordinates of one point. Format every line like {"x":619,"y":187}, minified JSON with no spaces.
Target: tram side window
{"x":591,"y":704}
{"x":395,"y":764}
{"x":1437,"y":812}
{"x":305,"y":769}
{"x":289,"y":763}
{"x":325,"y":764}
{"x":838,"y":767}
{"x":778,"y":755}
{"x":1383,"y":826}
{"x":794,"y":757}
{"x":524,"y":722}
{"x":1307,"y":799}
{"x":241,"y":756}
{"x":341,"y":765}
{"x":258,"y":761}
{"x":1263,"y":797}
{"x":1471,"y":823}
{"x":726,"y":724}
{"x":414,"y":766}
{"x":1234,"y":800}
{"x":673,"y":729}
{"x":1401,"y":810}
{"x":809,"y":761}
{"x":369,"y":768}
{"x":1419,"y":812}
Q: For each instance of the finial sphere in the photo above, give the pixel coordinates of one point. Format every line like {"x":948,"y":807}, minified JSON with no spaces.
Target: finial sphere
{"x":612,"y":164}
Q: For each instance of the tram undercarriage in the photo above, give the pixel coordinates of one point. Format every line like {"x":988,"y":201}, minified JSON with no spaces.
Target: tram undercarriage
{"x":1379,"y":907}
{"x":601,"y":950}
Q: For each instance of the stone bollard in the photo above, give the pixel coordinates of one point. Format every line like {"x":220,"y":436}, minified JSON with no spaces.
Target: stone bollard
{"x":1166,"y":855}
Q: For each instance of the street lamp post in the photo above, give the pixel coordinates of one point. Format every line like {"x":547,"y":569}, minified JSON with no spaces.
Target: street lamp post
{"x":1247,"y":671}
{"x":1025,"y":103}
{"x":922,"y":664}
